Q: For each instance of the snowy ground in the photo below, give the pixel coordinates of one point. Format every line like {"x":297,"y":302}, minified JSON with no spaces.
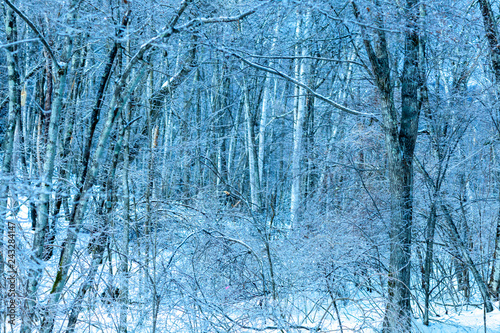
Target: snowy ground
{"x":465,"y":321}
{"x":360,"y":316}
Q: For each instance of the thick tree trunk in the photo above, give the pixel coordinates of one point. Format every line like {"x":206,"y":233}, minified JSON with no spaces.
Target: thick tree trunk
{"x":493,"y":37}
{"x":400,"y":143}
{"x":399,"y":307}
{"x":491,"y":29}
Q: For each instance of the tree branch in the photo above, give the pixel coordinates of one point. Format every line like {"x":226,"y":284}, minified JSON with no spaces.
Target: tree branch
{"x":38,"y":33}
{"x":293,"y":57}
{"x":222,"y":19}
{"x":171,"y":29}
{"x":19,"y":42}
{"x":300,"y":84}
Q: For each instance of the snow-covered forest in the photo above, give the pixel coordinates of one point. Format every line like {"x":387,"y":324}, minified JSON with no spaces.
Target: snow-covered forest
{"x":249,"y":166}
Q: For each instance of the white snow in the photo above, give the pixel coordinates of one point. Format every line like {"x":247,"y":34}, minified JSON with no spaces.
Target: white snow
{"x":362,"y":315}
{"x":463,"y":322}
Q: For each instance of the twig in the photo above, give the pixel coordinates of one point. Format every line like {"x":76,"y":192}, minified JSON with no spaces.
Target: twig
{"x":20,"y":42}
{"x":293,"y":57}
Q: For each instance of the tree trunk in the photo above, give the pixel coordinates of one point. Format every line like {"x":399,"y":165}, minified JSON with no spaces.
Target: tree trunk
{"x":398,"y":312}
{"x":494,"y":283}
{"x":8,"y":148}
{"x":124,"y":250}
{"x":400,"y":145}
{"x":267,"y":104}
{"x":81,"y":201}
{"x":429,"y":253}
{"x":97,"y":247}
{"x":464,"y":252}
{"x":233,"y":139}
{"x":266,"y":101}
{"x":99,"y":242}
{"x":255,"y":202}
{"x":48,"y":173}
{"x":125,"y":235}
{"x":493,"y":37}
{"x":301,"y":69}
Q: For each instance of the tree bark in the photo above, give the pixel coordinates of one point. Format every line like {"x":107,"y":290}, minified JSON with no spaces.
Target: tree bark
{"x":400,"y":145}
{"x":494,"y":282}
{"x":464,"y":252}
{"x":301,"y":69}
{"x":60,"y":75}
{"x":124,"y":249}
{"x":255,"y":198}
{"x":14,"y":94}
{"x":97,"y":247}
{"x":81,"y":201}
{"x":493,"y":37}
{"x":429,"y":257}
{"x":267,"y":104}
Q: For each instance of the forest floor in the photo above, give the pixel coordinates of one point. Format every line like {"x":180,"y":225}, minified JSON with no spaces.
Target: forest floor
{"x":362,"y":316}
{"x":471,"y":320}
{"x":465,"y":320}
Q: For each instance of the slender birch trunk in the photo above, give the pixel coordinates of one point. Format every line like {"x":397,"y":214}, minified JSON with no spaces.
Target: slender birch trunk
{"x":255,"y":198}
{"x":266,"y":102}
{"x":125,"y":235}
{"x":222,"y":124}
{"x":301,"y":69}
{"x":268,"y":97}
{"x":149,"y":182}
{"x":124,"y":248}
{"x":233,"y":140}
{"x":150,"y":229}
